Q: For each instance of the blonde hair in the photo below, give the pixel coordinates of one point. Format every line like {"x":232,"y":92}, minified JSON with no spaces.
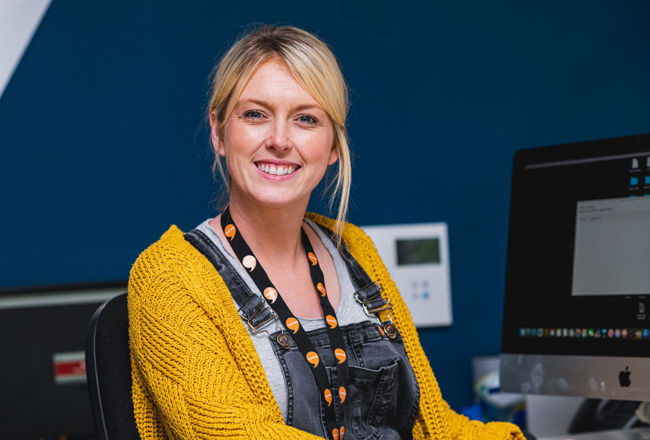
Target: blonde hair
{"x":313,"y":66}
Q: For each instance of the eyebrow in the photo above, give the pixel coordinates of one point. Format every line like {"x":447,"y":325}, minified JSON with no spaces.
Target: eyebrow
{"x":265,"y":104}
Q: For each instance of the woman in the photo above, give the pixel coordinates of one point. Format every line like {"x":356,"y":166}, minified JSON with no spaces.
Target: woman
{"x":265,"y":321}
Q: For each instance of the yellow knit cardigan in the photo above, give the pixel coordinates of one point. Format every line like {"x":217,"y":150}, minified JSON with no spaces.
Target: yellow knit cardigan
{"x":196,"y":374}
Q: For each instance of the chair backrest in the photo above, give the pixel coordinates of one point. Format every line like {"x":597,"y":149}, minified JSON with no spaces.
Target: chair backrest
{"x":108,"y":369}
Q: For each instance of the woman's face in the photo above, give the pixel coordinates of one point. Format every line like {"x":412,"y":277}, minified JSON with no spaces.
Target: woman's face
{"x":277,"y":142}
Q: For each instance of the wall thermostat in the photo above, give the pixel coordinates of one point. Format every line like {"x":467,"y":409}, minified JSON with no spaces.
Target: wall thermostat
{"x":417,"y":258}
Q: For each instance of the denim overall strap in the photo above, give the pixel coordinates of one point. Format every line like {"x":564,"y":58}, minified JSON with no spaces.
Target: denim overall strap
{"x":368,"y":293}
{"x":252,"y":308}
{"x":359,"y":276}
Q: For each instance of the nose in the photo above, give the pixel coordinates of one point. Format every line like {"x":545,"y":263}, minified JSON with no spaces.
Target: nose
{"x":279,"y":138}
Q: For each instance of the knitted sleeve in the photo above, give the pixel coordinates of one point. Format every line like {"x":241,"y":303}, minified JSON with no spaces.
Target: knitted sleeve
{"x":189,"y":374}
{"x":463,"y":428}
{"x":435,"y":420}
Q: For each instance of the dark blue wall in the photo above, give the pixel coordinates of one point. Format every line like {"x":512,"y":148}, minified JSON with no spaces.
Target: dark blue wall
{"x":103,"y":145}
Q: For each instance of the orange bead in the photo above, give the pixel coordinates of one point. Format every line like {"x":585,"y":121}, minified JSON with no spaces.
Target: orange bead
{"x":340,"y":355}
{"x":312,"y":358}
{"x":229,"y":231}
{"x":321,"y":289}
{"x":312,"y":258}
{"x":331,"y":321}
{"x":342,"y":394}
{"x":293,"y":324}
{"x":328,"y":396}
{"x":271,"y":294}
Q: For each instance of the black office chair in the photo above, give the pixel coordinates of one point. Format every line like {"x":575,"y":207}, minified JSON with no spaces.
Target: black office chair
{"x":108,"y":369}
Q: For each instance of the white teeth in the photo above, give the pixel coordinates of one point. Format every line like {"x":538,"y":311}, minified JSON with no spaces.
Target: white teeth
{"x":276,"y":171}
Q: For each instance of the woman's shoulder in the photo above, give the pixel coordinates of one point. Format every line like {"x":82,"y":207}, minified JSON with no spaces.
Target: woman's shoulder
{"x":172,"y":268}
{"x":165,"y":253}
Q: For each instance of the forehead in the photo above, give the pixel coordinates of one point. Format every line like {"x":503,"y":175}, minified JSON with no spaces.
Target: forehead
{"x":272,"y":81}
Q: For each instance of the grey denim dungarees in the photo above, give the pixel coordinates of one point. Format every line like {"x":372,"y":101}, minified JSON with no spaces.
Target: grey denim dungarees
{"x":383,"y":394}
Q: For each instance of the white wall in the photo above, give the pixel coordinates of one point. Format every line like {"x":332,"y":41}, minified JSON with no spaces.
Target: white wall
{"x":18,"y":22}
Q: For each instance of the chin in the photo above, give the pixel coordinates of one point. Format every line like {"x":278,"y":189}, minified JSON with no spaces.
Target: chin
{"x":278,"y":201}
{"x":271,"y":198}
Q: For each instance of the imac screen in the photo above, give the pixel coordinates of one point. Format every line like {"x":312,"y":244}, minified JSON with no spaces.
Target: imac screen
{"x":578,"y":270}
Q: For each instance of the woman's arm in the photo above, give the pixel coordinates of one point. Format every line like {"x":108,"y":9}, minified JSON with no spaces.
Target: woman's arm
{"x":190,"y":379}
{"x":463,"y":428}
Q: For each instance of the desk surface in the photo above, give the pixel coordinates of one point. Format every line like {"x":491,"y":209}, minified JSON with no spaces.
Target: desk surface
{"x":627,"y":434}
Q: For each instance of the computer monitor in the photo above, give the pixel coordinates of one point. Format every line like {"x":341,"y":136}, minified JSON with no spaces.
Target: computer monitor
{"x":577,"y":300}
{"x":43,"y":391}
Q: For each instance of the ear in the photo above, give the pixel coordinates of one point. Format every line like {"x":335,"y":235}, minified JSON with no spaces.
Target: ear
{"x":217,"y":143}
{"x":334,"y":155}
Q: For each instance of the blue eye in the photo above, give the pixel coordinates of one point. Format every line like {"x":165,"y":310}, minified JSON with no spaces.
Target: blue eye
{"x":253,"y":114}
{"x":306,"y":119}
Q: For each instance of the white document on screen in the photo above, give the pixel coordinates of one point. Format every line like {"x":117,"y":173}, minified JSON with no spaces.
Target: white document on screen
{"x":612,"y":247}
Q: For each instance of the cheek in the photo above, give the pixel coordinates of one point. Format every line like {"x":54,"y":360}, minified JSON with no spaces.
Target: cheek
{"x":240,"y":139}
{"x":320,"y":146}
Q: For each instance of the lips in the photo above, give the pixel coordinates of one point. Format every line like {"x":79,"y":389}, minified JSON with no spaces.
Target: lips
{"x":277,"y":169}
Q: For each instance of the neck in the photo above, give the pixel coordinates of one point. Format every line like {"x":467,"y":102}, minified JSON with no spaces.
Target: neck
{"x":270,"y":232}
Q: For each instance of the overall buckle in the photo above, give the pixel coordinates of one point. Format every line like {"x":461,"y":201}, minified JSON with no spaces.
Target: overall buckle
{"x":371,"y":299}
{"x":256,"y":315}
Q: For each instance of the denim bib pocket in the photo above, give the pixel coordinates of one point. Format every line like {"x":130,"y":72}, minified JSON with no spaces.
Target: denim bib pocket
{"x":372,"y":394}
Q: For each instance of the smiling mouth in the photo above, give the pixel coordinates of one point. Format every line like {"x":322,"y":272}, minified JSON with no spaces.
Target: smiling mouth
{"x":275,"y":169}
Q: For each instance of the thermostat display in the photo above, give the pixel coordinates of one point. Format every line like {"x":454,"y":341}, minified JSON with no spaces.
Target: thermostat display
{"x":420,"y":251}
{"x":417,"y":258}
